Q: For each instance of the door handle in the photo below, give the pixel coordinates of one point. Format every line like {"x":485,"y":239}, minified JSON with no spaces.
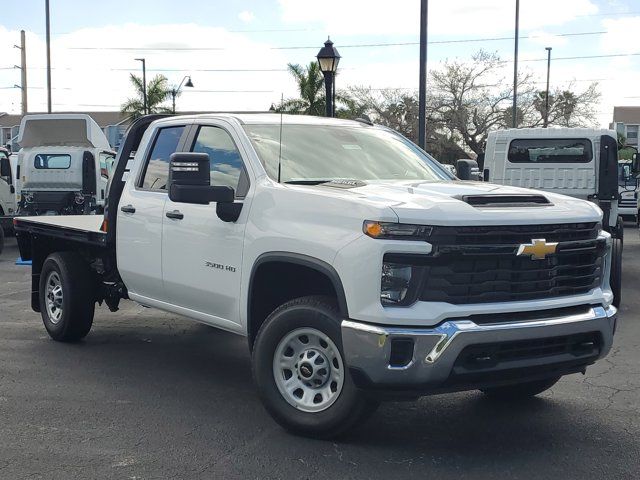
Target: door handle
{"x":176,"y":215}
{"x":128,"y":209}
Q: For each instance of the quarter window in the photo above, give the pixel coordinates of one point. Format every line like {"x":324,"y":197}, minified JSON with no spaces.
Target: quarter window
{"x":156,"y":175}
{"x":226,"y":167}
{"x":53,"y":161}
{"x":551,"y":150}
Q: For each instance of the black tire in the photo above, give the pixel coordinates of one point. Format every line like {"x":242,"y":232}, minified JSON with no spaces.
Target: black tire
{"x":78,"y":302}
{"x":351,"y":406}
{"x":620,"y":230}
{"x":615,"y":277}
{"x":1,"y":240}
{"x":520,"y":390}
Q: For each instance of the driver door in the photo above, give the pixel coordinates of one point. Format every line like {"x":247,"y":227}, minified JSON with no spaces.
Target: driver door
{"x":201,"y":254}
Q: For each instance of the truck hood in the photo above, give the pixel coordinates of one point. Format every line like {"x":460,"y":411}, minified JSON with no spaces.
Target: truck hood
{"x":445,"y":203}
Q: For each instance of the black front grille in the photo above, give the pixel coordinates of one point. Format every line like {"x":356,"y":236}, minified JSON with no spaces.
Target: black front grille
{"x":462,"y":279}
{"x":492,"y":355}
{"x":481,"y":265}
{"x":513,"y":234}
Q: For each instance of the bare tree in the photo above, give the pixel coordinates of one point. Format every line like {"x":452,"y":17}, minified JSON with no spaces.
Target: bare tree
{"x":473,"y":98}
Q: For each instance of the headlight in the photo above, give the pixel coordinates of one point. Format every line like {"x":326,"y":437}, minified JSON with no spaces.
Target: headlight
{"x":28,"y":198}
{"x":396,"y":231}
{"x":395,"y":283}
{"x":79,"y":198}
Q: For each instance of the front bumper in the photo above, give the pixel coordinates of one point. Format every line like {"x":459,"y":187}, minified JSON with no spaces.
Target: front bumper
{"x":434,"y":363}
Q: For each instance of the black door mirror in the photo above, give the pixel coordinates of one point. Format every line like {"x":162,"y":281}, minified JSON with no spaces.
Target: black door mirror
{"x":89,"y":186}
{"x":190,"y":180}
{"x":5,"y":169}
{"x":467,"y":169}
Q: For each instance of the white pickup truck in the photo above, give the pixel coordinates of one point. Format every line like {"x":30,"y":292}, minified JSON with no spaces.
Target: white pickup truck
{"x":355,"y":265}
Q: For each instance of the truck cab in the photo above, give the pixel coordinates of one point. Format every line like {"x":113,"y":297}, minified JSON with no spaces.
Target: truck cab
{"x":578,"y":162}
{"x":63,"y":163}
{"x":628,"y":190}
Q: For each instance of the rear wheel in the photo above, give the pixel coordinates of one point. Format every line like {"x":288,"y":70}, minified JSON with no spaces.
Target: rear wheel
{"x":298,"y":365}
{"x":67,"y":297}
{"x":520,"y":390}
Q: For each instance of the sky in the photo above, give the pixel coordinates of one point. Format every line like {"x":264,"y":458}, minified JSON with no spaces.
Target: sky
{"x":236,"y":51}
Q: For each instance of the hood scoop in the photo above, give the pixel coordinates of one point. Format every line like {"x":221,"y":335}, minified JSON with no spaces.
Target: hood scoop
{"x":489,"y":201}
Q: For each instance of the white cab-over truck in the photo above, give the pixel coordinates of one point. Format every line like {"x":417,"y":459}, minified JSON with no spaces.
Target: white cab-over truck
{"x":355,"y":265}
{"x":63,"y":165}
{"x":8,"y":204}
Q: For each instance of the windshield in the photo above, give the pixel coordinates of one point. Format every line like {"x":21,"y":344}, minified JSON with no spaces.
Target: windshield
{"x":316,"y":153}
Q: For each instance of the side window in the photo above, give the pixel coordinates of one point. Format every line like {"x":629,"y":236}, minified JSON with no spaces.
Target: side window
{"x":226,"y":163}
{"x":106,"y":164}
{"x":156,"y":174}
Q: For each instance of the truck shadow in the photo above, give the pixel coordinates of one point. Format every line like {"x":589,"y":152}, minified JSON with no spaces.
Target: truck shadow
{"x":176,"y":366}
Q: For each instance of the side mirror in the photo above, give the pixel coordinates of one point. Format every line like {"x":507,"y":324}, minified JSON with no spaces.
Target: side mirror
{"x":5,"y":169}
{"x":467,"y":169}
{"x":635,"y":168}
{"x":190,"y":180}
{"x":89,"y":184}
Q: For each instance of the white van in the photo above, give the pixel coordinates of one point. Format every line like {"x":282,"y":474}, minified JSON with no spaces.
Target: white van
{"x":63,"y":165}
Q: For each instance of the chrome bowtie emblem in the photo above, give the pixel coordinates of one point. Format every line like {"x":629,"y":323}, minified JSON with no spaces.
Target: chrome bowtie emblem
{"x":538,"y":249}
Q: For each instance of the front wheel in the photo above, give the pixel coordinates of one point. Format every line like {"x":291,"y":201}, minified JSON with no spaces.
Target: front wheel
{"x":299,"y":368}
{"x":67,"y":297}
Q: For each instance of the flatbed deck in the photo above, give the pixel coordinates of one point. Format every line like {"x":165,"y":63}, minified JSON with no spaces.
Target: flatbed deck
{"x":80,"y":228}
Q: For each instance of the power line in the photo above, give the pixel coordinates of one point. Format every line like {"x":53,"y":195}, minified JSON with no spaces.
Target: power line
{"x":355,"y":45}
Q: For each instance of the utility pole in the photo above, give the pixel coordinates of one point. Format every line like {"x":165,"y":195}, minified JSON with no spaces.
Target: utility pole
{"x":48,"y":33}
{"x":422,"y":92}
{"x":546,"y":96}
{"x":144,"y":84}
{"x":514,"y":112}
{"x":23,"y":70}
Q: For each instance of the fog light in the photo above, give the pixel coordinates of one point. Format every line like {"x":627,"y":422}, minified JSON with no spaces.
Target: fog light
{"x":395,"y":283}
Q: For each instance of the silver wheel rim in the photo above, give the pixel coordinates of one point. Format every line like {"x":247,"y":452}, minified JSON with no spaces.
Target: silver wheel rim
{"x":308,"y":370}
{"x":54,"y":297}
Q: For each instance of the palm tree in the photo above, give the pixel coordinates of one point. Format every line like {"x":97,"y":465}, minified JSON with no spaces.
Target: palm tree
{"x":310,"y":82}
{"x":157,"y":92}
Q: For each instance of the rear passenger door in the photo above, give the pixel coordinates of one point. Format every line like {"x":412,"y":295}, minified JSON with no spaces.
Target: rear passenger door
{"x":141,"y":214}
{"x":201,"y":254}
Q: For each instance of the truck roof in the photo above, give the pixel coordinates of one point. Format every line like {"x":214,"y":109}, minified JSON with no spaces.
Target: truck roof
{"x":271,"y":119}
{"x":552,"y":132}
{"x":61,"y":129}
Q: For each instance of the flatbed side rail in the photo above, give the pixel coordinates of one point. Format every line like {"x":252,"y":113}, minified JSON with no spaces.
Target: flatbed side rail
{"x":94,"y":238}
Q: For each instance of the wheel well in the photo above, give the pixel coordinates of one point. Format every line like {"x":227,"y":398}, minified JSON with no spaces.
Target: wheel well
{"x":278,"y":281}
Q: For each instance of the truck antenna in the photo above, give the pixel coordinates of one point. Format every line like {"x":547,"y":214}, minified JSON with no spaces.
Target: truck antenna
{"x":280,"y":148}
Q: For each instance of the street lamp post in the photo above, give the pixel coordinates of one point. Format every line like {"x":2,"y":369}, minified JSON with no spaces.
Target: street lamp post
{"x":546,"y":96}
{"x":514,"y":113}
{"x":328,"y":58}
{"x":48,"y":36}
{"x":176,"y":91}
{"x":144,"y":83}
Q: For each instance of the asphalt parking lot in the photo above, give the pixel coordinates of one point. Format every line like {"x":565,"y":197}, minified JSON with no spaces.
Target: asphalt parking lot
{"x":150,"y":395}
